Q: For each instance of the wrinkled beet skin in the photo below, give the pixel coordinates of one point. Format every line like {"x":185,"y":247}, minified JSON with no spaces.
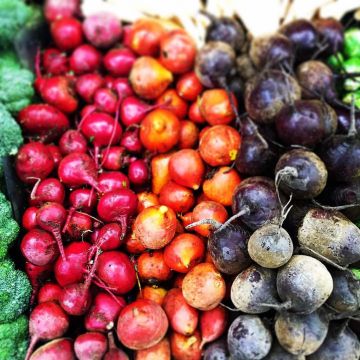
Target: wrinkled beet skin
{"x":260,"y":195}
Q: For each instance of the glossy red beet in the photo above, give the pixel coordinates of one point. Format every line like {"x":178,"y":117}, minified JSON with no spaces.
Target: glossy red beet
{"x":85,"y":59}
{"x":116,"y":271}
{"x":67,"y":33}
{"x":118,"y":62}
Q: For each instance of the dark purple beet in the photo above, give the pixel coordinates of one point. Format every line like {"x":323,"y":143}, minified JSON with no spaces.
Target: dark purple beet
{"x":228,"y":248}
{"x":273,"y":51}
{"x":304,"y":37}
{"x":316,"y":80}
{"x":267,"y":93}
{"x":217,"y":350}
{"x":331,"y":33}
{"x":341,"y":155}
{"x":345,"y":193}
{"x":306,"y":123}
{"x":301,"y":173}
{"x":227,"y":30}
{"x":259,"y":195}
{"x":255,"y":156}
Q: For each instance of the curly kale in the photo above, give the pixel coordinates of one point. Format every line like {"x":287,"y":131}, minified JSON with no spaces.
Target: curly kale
{"x":16,"y":90}
{"x":14,"y":14}
{"x":14,"y":339}
{"x":9,"y":228}
{"x":15,"y":291}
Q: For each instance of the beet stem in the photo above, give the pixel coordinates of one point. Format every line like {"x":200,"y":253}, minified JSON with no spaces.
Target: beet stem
{"x":215,"y":224}
{"x":34,"y":189}
{"x":352,"y":128}
{"x":33,"y":342}
{"x":67,"y":222}
{"x":340,"y":207}
{"x":244,"y":211}
{"x":57,"y":236}
{"x":322,"y":258}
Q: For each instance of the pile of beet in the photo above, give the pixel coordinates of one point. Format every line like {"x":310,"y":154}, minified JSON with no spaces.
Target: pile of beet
{"x":169,"y":188}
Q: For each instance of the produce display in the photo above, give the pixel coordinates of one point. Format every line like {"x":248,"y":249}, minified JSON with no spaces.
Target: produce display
{"x":182,"y":201}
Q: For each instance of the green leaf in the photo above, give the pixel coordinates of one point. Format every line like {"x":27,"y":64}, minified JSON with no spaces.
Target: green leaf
{"x":356,"y":273}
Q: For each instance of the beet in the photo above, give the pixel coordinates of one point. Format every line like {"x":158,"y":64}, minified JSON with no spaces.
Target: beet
{"x":43,"y":121}
{"x":33,"y":161}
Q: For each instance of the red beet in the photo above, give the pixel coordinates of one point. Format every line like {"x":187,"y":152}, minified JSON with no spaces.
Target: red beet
{"x":102,"y":29}
{"x":138,"y":172}
{"x":118,"y":62}
{"x":72,"y":270}
{"x":54,"y":62}
{"x":47,"y":190}
{"x":212,"y":324}
{"x":122,"y":88}
{"x":118,"y":206}
{"x":51,"y":217}
{"x":83,"y":199}
{"x":29,"y":218}
{"x":131,"y":140}
{"x":55,"y":9}
{"x":85,"y":59}
{"x":87,"y":84}
{"x":102,"y":129}
{"x":78,"y":169}
{"x":49,"y":292}
{"x":113,"y":158}
{"x":72,"y":141}
{"x":142,"y":324}
{"x":55,"y":350}
{"x":55,"y":154}
{"x":47,"y":321}
{"x":133,"y":110}
{"x":105,"y":100}
{"x":43,"y":121}
{"x":39,"y":247}
{"x":78,"y":226}
{"x":67,"y":33}
{"x":91,"y":345}
{"x":37,"y":275}
{"x":116,"y":271}
{"x":33,"y":162}
{"x":76,"y":298}
{"x":104,"y":312}
{"x":57,"y":91}
{"x":109,"y":237}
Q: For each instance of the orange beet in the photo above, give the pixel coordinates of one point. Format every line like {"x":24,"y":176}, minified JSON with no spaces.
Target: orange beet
{"x":186,"y":168}
{"x":179,"y":198}
{"x":216,"y":108}
{"x":203,"y":287}
{"x":219,"y":145}
{"x":189,"y":135}
{"x":208,"y":210}
{"x":173,"y":102}
{"x":149,"y":78}
{"x":160,"y":171}
{"x":184,"y":252}
{"x":152,"y":267}
{"x":146,"y":199}
{"x":160,"y":130}
{"x":221,"y":186}
{"x":160,"y":351}
{"x":142,"y":324}
{"x":155,"y":226}
{"x":185,"y":347}
{"x":154,"y":293}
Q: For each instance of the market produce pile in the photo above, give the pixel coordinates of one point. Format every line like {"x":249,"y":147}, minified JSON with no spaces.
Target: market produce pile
{"x":182,"y":202}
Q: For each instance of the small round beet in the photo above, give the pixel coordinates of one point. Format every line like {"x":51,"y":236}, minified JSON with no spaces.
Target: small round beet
{"x":67,"y":33}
